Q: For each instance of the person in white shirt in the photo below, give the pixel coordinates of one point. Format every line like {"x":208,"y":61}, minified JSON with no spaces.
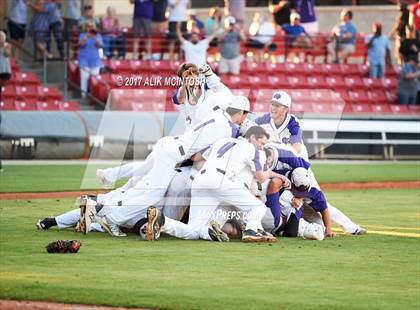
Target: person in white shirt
{"x":195,"y":50}
{"x":178,"y":13}
{"x":218,"y":184}
{"x":262,"y":31}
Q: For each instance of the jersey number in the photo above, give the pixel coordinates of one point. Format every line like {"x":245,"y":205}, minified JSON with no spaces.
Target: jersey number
{"x":225,"y":147}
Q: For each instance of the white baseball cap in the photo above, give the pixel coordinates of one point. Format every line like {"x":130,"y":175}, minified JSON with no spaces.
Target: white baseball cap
{"x":240,"y":103}
{"x":281,"y":97}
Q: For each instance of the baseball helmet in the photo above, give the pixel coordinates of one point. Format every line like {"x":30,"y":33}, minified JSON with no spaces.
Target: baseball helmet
{"x":272,"y":147}
{"x":300,"y":179}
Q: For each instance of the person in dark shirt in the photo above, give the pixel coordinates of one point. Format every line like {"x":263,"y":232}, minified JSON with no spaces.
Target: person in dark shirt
{"x":398,"y":30}
{"x":410,"y":46}
{"x":281,"y":10}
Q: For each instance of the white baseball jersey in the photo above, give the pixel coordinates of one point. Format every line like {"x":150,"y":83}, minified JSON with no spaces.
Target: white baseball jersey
{"x":288,"y":133}
{"x":216,"y":126}
{"x":235,"y":157}
{"x":216,"y":185}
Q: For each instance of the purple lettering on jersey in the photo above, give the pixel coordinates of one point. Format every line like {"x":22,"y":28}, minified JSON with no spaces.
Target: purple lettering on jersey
{"x":285,"y":140}
{"x":256,"y":161}
{"x":204,"y":124}
{"x":225,"y":147}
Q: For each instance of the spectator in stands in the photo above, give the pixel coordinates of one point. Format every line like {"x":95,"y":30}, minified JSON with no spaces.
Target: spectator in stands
{"x":39,"y":27}
{"x":408,"y":83}
{"x":142,"y":25}
{"x":296,"y":34}
{"x":236,"y":9}
{"x":378,"y":51}
{"x":230,"y":53}
{"x":281,"y":10}
{"x":306,"y":10}
{"x":177,"y":14}
{"x":71,"y":12}
{"x":5,"y":68}
{"x":415,"y":19}
{"x":410,"y":46}
{"x":90,"y":42}
{"x":195,"y":49}
{"x":398,"y":30}
{"x":111,"y":36}
{"x":55,"y":26}
{"x":88,"y":16}
{"x":215,"y":17}
{"x":344,"y":41}
{"x":159,"y":18}
{"x":17,"y":19}
{"x":262,"y":32}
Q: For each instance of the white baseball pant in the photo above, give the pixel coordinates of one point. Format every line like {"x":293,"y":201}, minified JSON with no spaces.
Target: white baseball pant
{"x":209,"y":190}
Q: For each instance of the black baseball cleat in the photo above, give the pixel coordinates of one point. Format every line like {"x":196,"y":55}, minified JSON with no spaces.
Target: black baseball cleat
{"x":46,"y":223}
{"x":155,"y":221}
{"x":359,"y":231}
{"x":216,"y":233}
{"x":252,"y":236}
{"x":268,"y":237}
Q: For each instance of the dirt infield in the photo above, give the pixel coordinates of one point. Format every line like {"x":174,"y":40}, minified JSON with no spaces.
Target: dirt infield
{"x":40,"y":305}
{"x":324,"y":186}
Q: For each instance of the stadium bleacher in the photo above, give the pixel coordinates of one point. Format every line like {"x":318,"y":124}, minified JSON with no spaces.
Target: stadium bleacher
{"x":24,"y":92}
{"x":319,"y":88}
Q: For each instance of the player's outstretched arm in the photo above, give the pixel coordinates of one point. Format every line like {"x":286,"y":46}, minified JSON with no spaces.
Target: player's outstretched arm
{"x":327,"y":222}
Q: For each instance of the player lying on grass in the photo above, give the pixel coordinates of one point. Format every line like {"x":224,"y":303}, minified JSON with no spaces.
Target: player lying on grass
{"x":174,"y":205}
{"x":218,"y":183}
{"x":284,"y":128}
{"x":285,"y":217}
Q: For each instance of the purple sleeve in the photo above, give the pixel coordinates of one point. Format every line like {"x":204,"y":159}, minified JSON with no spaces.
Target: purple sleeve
{"x":318,"y":200}
{"x":297,"y":138}
{"x":295,"y":131}
{"x":292,"y":160}
{"x":175,"y":98}
{"x":265,"y":119}
{"x":256,"y":160}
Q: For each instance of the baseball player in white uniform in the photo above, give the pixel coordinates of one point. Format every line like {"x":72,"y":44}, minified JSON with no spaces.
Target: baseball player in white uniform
{"x":216,"y":184}
{"x":174,"y":205}
{"x":168,"y":152}
{"x":194,"y":105}
{"x":284,"y":128}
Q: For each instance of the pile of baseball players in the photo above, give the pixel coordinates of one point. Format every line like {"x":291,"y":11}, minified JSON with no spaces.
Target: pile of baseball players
{"x":225,"y":177}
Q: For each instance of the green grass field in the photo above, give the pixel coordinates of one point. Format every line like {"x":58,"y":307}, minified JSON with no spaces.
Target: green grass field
{"x":378,"y":271}
{"x":47,"y":178}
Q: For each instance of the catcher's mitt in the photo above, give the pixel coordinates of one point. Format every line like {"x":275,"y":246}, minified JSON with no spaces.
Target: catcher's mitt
{"x":63,"y":246}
